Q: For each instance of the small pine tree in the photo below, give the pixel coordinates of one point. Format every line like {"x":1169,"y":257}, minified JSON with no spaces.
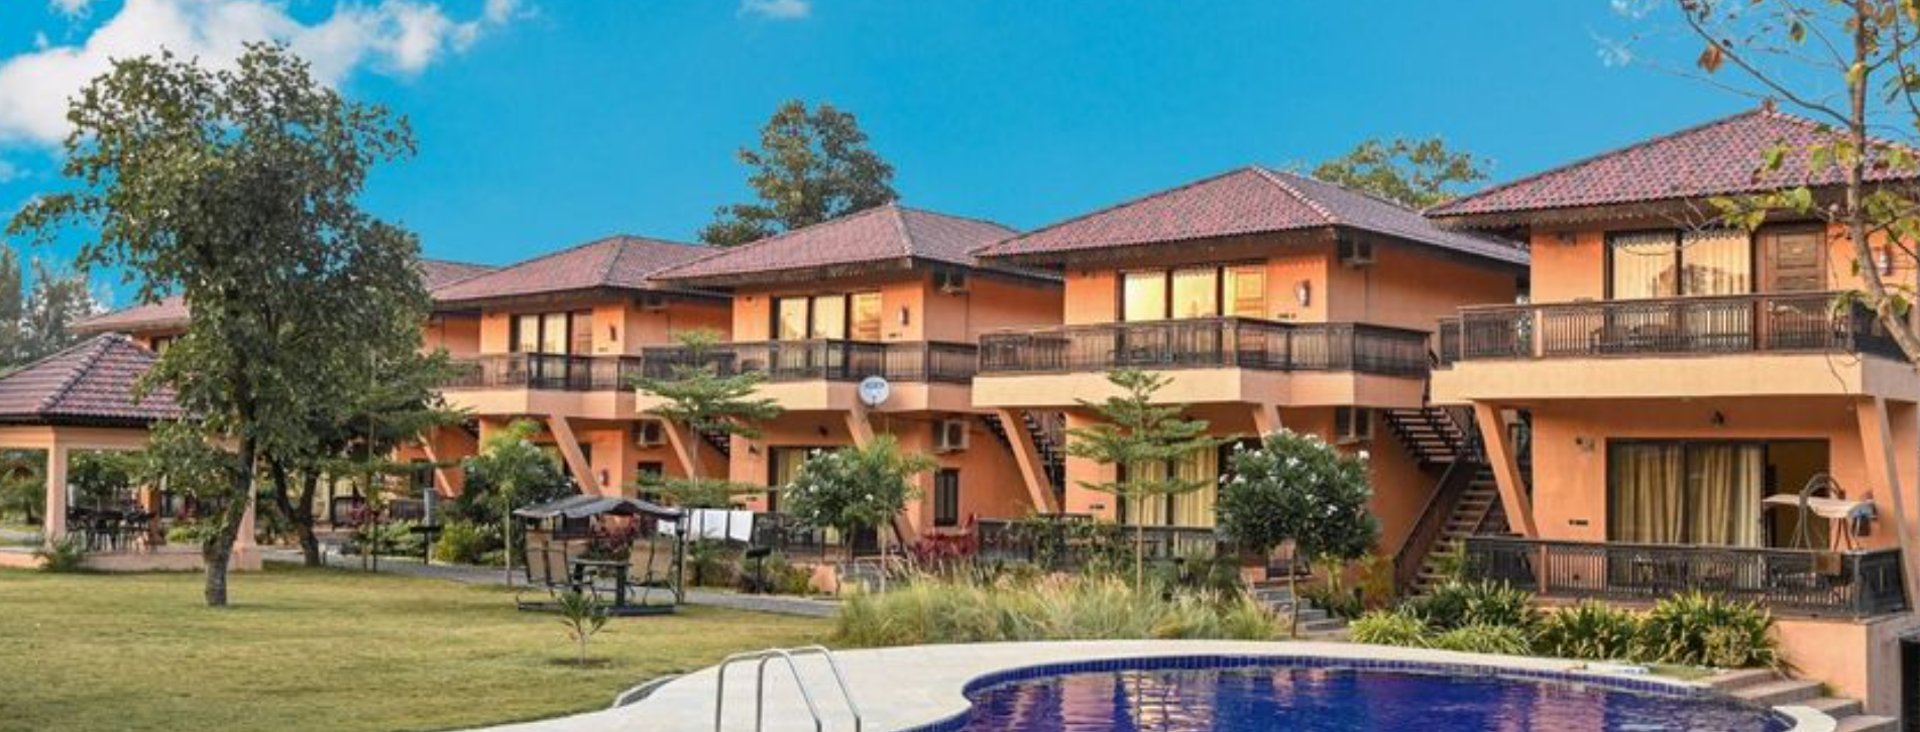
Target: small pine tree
{"x":697,"y":397}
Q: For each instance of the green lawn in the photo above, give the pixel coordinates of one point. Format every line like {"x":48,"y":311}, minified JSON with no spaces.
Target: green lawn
{"x":324,"y":650}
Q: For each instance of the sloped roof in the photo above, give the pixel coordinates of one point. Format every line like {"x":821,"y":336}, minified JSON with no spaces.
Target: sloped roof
{"x":1721,"y":157}
{"x":1250,"y":200}
{"x":615,"y":262}
{"x":884,"y":235}
{"x":89,"y":383}
{"x":171,"y":311}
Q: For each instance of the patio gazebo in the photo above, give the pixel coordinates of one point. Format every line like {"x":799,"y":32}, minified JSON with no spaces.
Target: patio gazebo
{"x":82,"y":399}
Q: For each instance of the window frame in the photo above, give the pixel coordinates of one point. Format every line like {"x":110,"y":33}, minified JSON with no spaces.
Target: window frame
{"x":516,"y":328}
{"x":810,"y":326}
{"x":946,"y":498}
{"x":1679,"y":262}
{"x":1223,"y":303}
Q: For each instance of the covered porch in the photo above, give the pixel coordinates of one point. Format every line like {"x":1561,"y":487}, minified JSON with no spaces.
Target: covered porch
{"x":82,"y":401}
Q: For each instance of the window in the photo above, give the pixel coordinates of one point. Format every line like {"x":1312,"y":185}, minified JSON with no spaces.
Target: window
{"x":555,"y":333}
{"x":1194,"y":509}
{"x":421,"y":475}
{"x":1648,"y":264}
{"x":946,"y":497}
{"x":831,"y":317}
{"x":1709,"y":492}
{"x":784,"y":464}
{"x":1194,"y":292}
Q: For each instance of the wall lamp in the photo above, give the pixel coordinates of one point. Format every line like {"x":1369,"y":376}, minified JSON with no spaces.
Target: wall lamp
{"x":1303,"y":292}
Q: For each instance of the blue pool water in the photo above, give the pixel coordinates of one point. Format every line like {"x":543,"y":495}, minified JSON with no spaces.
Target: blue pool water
{"x":1335,"y":700}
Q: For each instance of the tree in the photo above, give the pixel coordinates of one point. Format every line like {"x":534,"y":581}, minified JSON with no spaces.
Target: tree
{"x":35,"y":322}
{"x":235,"y":188}
{"x":812,"y":166}
{"x":1134,"y":434}
{"x":513,"y":469}
{"x":699,"y":399}
{"x":23,"y":483}
{"x":101,"y":478}
{"x":1411,"y":172}
{"x":1298,"y":488}
{"x":853,"y":488}
{"x":584,"y":615}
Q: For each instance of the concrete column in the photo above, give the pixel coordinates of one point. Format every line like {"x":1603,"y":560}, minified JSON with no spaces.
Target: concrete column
{"x":54,"y":525}
{"x":1506,"y":469}
{"x":686,"y":447}
{"x":1884,"y":450}
{"x":570,"y":452}
{"x":1266,"y":419}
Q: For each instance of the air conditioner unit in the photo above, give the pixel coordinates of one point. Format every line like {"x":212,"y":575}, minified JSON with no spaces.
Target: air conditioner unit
{"x":1352,"y":425}
{"x":950,"y":282}
{"x":652,"y":434}
{"x":653,"y":302}
{"x":1355,"y":251}
{"x":950,"y":435}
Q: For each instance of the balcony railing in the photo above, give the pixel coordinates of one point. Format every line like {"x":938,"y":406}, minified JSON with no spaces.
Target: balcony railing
{"x":1790,"y":322}
{"x":1854,"y":584}
{"x":832,"y":360}
{"x":1208,"y":342}
{"x":543,"y":371}
{"x":1073,"y":540}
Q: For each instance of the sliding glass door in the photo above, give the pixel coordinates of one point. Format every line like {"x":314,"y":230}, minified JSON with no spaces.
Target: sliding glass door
{"x":1687,"y":492}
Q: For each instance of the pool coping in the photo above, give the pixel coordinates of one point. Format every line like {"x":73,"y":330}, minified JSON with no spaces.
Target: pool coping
{"x":925,"y":688}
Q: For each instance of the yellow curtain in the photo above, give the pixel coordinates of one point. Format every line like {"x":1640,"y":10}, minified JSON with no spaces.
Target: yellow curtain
{"x":1716,"y":262}
{"x":1148,"y":510}
{"x":1725,"y":501}
{"x":1643,"y":265}
{"x":1195,"y":509}
{"x":1647,"y":488}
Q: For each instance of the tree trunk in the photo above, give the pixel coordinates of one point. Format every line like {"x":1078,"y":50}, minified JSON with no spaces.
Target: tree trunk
{"x":1293,"y":595}
{"x":506,"y":541}
{"x":1856,"y":208}
{"x":1139,"y":556}
{"x":217,"y":550}
{"x":304,"y":520}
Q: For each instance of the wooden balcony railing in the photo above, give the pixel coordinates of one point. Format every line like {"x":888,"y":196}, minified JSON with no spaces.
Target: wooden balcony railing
{"x":1856,"y":584}
{"x":1791,"y":322}
{"x":832,"y":360}
{"x":543,"y":371}
{"x":1207,"y":342}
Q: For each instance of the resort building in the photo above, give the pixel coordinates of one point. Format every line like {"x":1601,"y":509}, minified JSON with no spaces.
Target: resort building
{"x":890,"y":292}
{"x":557,"y":339}
{"x":1270,"y":300}
{"x":1689,"y":406}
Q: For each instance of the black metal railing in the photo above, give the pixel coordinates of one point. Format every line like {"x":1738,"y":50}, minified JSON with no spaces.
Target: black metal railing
{"x":543,"y":371}
{"x":1788,"y":581}
{"x":1208,"y":342}
{"x":1072,"y":540}
{"x":1789,"y":322}
{"x":833,"y":360}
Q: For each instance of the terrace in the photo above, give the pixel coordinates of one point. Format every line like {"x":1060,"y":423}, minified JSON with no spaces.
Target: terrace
{"x":825,"y":359}
{"x":1733,"y":324}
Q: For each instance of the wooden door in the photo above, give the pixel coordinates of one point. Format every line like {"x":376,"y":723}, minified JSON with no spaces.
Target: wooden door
{"x":1793,"y":261}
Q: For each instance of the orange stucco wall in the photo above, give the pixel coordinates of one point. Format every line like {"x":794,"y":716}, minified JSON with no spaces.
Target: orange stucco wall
{"x":459,"y":334}
{"x":912,"y":309}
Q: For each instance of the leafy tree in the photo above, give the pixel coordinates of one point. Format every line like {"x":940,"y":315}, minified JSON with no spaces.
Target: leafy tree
{"x":23,"y":483}
{"x":236,"y":188}
{"x":513,"y":468}
{"x":1135,"y":432}
{"x":101,"y":477}
{"x":697,"y":397}
{"x":855,"y":487}
{"x":1298,"y":488}
{"x":35,"y":322}
{"x":1411,"y":172}
{"x":185,"y":456}
{"x":812,"y":166}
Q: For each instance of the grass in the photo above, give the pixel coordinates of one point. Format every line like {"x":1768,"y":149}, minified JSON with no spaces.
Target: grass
{"x":308,"y":649}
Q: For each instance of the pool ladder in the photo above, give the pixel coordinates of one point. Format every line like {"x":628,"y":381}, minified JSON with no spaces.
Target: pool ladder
{"x":786,"y":655}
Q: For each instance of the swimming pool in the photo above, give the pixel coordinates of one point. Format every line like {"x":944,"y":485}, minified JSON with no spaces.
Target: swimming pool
{"x":1260,"y":694}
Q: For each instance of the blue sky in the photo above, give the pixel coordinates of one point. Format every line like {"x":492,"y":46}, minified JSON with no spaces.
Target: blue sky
{"x":544,"y":123}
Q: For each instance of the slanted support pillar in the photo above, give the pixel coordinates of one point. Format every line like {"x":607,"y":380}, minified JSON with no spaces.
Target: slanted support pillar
{"x":1026,"y":455}
{"x":1494,"y":433}
{"x":686,"y":447}
{"x":54,"y":524}
{"x":570,"y":452}
{"x":1885,"y":448}
{"x":1266,"y":418}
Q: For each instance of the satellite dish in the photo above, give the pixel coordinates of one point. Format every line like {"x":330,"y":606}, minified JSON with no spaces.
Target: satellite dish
{"x":874,"y":391}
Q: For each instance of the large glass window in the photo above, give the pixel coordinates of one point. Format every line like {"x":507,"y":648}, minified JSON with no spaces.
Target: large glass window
{"x":554,"y":333}
{"x":1194,"y":509}
{"x":1143,"y":296}
{"x":1196,"y":293}
{"x":835,"y":317}
{"x":790,"y":319}
{"x":1669,"y":263}
{"x":830,"y":317}
{"x":1687,"y":492}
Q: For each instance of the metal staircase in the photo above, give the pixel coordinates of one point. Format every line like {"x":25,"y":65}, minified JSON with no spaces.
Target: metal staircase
{"x":787,"y":656}
{"x":720,"y":440}
{"x":1048,"y":432}
{"x":1465,"y":500}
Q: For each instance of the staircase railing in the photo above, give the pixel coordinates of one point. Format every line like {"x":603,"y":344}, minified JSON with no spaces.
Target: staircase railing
{"x":1432,"y":523}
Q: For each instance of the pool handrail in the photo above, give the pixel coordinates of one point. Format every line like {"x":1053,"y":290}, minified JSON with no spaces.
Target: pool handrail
{"x":787,"y":656}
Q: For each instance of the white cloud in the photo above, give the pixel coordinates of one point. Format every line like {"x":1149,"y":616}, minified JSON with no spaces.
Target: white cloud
{"x":399,"y":37}
{"x":777,"y":9}
{"x":70,"y":8}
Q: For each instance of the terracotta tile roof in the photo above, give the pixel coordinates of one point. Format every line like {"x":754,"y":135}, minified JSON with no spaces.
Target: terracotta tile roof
{"x":88,"y":383}
{"x":615,"y":262}
{"x":883,"y":235}
{"x":1251,"y":200}
{"x":171,"y":312}
{"x":1720,"y":157}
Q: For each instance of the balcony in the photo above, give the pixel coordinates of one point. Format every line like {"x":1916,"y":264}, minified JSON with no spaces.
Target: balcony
{"x":551,"y":372}
{"x":1763,"y":323}
{"x":1207,"y":343}
{"x":1796,"y":582}
{"x":827,"y":360}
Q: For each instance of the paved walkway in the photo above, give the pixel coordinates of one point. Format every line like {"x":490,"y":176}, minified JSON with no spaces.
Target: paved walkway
{"x":906,"y":688}
{"x":467,"y":574}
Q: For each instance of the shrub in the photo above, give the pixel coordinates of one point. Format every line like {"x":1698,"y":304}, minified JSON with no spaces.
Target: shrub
{"x":189,"y":533}
{"x":1459,"y":604}
{"x":584,"y":615}
{"x":1502,"y":639}
{"x":465,"y":542}
{"x":1588,"y":631}
{"x":932,"y":610}
{"x":1390,"y":628}
{"x":1698,"y":629}
{"x":66,"y":556}
{"x":711,"y":563}
{"x":1336,"y":600}
{"x":391,"y":538}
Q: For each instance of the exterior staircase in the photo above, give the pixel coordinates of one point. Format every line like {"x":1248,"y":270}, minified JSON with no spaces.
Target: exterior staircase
{"x":1275,"y":596}
{"x":1048,"y":432}
{"x":1476,"y":512}
{"x":719,"y":440}
{"x":1765,"y":687}
{"x":1435,"y":436}
{"x":1465,"y":500}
